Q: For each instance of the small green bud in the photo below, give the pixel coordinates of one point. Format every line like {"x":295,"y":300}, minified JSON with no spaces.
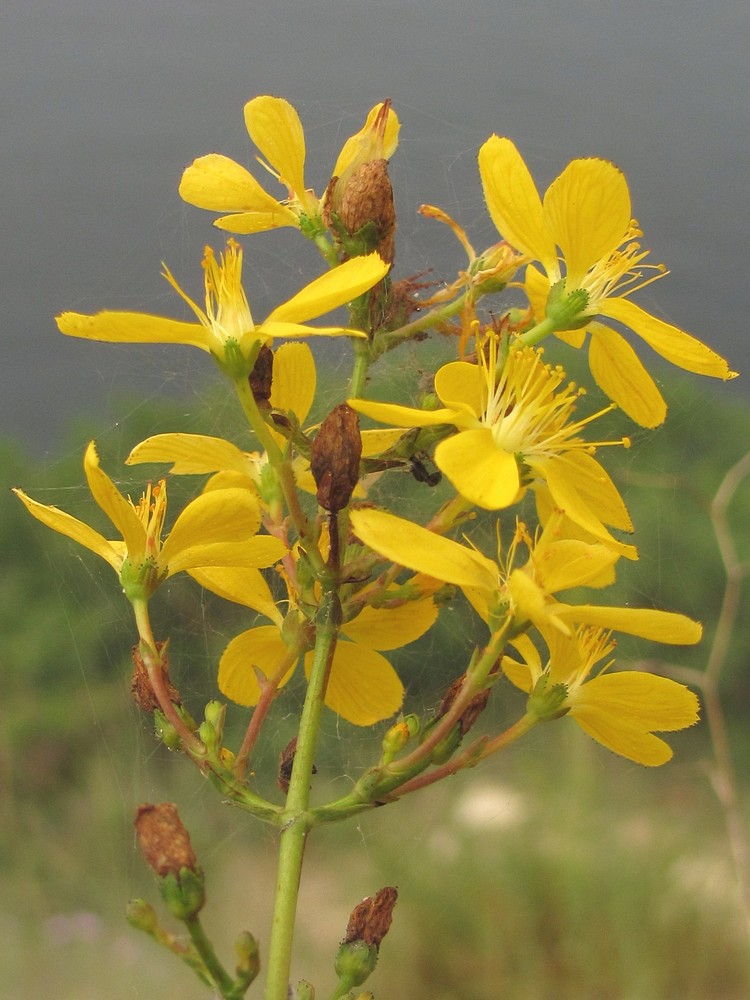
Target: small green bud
{"x":142,"y":916}
{"x":304,"y":991}
{"x":248,"y":958}
{"x":166,"y":732}
{"x":355,"y":962}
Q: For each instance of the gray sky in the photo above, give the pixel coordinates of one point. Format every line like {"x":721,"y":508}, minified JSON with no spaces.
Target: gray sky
{"x":103,"y":103}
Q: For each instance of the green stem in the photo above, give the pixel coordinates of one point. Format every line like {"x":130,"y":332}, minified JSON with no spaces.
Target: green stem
{"x":362,"y":359}
{"x":297,"y":820}
{"x":538,"y":332}
{"x":204,"y":948}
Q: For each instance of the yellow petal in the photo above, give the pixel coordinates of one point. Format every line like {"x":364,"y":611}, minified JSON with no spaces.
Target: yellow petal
{"x":215,"y":518}
{"x":530,"y":603}
{"x":587,"y":209}
{"x":401,"y":416}
{"x":260,"y":648}
{"x":361,"y":147}
{"x":133,"y":328}
{"x":570,"y":562}
{"x":618,"y":371}
{"x":480,"y":471}
{"x":246,"y":223}
{"x":294,"y":379}
{"x":216,"y":183}
{"x":274,"y":330}
{"x":71,"y":527}
{"x":412,"y":546}
{"x":563,"y":482}
{"x":648,"y":623}
{"x":669,"y":341}
{"x":594,"y":486}
{"x":276,"y":130}
{"x":190,"y":453}
{"x":120,"y":512}
{"x":363,"y":687}
{"x":459,"y":384}
{"x":391,"y":628}
{"x":334,"y":288}
{"x":243,"y":586}
{"x":514,"y":203}
{"x":376,"y":441}
{"x":622,"y":710}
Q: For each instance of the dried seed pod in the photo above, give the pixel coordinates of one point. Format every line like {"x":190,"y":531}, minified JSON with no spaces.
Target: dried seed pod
{"x":334,"y":458}
{"x":163,"y":840}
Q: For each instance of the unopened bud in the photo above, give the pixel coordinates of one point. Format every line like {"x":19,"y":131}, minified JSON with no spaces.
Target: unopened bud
{"x":142,"y":916}
{"x":334,"y":458}
{"x":303,"y":991}
{"x":248,"y":958}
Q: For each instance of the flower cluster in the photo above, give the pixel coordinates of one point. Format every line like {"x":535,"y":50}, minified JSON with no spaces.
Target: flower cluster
{"x":345,"y":580}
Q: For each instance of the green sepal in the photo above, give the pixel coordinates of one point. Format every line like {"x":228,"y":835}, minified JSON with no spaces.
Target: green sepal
{"x":184,"y":893}
{"x":355,"y":961}
{"x":548,"y":703}
{"x":248,"y":959}
{"x":567,"y":310}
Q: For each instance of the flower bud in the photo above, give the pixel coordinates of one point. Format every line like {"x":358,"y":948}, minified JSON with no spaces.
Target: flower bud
{"x":334,"y":458}
{"x":248,"y":958}
{"x":303,"y":991}
{"x":165,"y":844}
{"x":142,"y":916}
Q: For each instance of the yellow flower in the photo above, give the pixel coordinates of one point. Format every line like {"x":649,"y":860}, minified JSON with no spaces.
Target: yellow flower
{"x":215,"y":529}
{"x":225,"y":328}
{"x":620,"y":710}
{"x":363,"y":687}
{"x":497,"y":590}
{"x":515,"y":432}
{"x":216,"y":183}
{"x":586,"y":213}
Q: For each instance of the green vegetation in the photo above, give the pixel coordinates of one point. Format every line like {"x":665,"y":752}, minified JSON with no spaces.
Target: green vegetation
{"x":563,"y":872}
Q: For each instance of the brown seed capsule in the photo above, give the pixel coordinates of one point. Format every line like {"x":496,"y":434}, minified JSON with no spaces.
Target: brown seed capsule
{"x":371,"y":919}
{"x":261,"y":376}
{"x":472,"y":711}
{"x":164,"y":841}
{"x":334,"y":458}
{"x":367,"y":200}
{"x":140,"y":685}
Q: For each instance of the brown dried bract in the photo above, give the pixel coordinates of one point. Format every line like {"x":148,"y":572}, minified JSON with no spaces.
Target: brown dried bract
{"x":335,"y":456}
{"x":472,"y":711}
{"x":163,"y":840}
{"x":140,"y":685}
{"x":371,"y":919}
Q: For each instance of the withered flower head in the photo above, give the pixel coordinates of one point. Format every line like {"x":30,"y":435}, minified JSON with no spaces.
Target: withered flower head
{"x":164,"y":841}
{"x":334,"y":458}
{"x":140,"y":685}
{"x":371,"y":919}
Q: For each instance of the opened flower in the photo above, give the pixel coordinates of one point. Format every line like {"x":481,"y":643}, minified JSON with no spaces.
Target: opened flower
{"x":621,"y":710}
{"x":514,"y":431}
{"x":498,"y":590}
{"x":586,"y":213}
{"x":362,"y":687}
{"x":219,"y":184}
{"x":225,"y":328}
{"x":215,"y":529}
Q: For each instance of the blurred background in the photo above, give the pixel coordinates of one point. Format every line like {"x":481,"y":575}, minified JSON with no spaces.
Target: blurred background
{"x":555,"y":872}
